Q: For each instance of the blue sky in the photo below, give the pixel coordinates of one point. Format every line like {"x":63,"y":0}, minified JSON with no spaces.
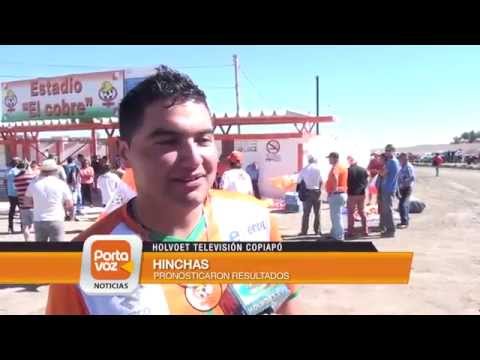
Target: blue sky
{"x":405,"y":95}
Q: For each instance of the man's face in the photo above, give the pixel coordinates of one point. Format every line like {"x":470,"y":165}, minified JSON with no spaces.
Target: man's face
{"x":173,"y":154}
{"x":332,"y":160}
{"x":403,"y":160}
{"x":388,"y":154}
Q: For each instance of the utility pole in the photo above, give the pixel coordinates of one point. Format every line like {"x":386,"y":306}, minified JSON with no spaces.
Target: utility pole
{"x":317,"y":125}
{"x":235,"y":66}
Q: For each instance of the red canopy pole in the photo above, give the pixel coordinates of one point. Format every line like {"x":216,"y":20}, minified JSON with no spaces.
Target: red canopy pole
{"x":93,"y":144}
{"x":25,"y":147}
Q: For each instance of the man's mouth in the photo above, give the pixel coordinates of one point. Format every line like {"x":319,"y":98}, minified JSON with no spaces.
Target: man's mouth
{"x":188,"y":179}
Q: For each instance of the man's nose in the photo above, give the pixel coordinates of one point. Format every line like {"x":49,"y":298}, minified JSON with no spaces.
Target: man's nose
{"x":190,"y":154}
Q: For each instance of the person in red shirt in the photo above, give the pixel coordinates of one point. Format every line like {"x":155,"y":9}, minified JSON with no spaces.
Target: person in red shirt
{"x":87,"y":175}
{"x":437,"y":162}
{"x":375,"y":164}
{"x":374,"y":167}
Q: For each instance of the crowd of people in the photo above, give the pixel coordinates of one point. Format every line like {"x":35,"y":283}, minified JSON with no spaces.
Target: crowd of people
{"x":387,"y":177}
{"x":49,"y":194}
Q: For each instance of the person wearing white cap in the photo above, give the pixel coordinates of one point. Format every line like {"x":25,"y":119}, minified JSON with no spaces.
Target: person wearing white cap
{"x":51,"y":197}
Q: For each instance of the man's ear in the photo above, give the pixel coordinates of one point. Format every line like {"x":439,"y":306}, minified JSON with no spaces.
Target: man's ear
{"x":124,"y":152}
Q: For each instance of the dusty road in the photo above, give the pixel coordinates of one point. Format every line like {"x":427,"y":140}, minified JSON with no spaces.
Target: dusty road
{"x":445,"y":239}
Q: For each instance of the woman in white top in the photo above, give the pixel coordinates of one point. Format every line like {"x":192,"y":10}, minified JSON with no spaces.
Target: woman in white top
{"x":108,"y":183}
{"x":236,"y":179}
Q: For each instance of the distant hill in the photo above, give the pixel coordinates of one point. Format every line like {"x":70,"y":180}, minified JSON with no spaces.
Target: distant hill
{"x":473,"y":148}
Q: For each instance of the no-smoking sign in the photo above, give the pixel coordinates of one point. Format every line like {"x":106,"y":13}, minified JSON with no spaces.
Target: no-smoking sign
{"x":273,"y":146}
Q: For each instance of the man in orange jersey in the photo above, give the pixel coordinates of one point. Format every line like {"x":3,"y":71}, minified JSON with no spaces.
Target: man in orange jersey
{"x":167,"y":139}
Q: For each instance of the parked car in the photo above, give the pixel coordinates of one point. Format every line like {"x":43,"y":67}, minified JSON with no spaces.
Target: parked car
{"x":426,"y":158}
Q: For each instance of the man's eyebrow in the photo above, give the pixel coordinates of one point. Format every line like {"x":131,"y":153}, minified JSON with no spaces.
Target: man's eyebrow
{"x":165,"y":132}
{"x":205,"y":132}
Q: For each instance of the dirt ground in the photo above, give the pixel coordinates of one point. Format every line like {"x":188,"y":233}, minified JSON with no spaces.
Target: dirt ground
{"x":445,"y":277}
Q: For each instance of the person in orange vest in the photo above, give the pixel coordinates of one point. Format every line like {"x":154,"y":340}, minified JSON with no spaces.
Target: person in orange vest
{"x":336,"y":187}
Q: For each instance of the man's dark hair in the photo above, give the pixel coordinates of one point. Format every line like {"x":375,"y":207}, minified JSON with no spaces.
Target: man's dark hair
{"x":390,"y":147}
{"x":69,"y":160}
{"x":14,"y":162}
{"x":168,"y":85}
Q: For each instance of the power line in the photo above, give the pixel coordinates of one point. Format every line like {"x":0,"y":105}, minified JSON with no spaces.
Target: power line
{"x":202,"y":66}
{"x":260,"y":95}
{"x":48,"y":65}
{"x":218,"y":87}
{"x":102,"y":67}
{"x":91,"y":67}
{"x":221,"y":89}
{"x":14,"y":76}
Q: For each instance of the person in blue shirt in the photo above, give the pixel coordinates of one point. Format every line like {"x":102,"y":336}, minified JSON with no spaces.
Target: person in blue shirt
{"x":254,"y":172}
{"x":11,"y":192}
{"x":406,"y":179}
{"x":389,"y":188}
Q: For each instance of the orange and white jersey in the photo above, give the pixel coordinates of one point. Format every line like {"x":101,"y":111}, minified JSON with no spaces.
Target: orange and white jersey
{"x":228,"y":217}
{"x":237,"y":180}
{"x":123,"y":194}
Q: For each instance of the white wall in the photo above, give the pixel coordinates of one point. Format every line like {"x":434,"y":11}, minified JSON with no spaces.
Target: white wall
{"x":286,"y":165}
